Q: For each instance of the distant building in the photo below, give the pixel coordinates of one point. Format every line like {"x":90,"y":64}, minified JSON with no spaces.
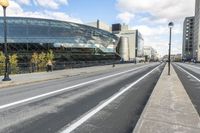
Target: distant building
{"x":100,"y":25}
{"x":150,"y":53}
{"x":173,"y":57}
{"x":131,"y":42}
{"x":116,"y":28}
{"x":176,"y":58}
{"x":188,"y":38}
{"x":196,"y":50}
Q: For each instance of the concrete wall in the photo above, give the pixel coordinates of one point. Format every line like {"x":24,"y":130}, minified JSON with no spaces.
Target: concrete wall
{"x":124,"y":48}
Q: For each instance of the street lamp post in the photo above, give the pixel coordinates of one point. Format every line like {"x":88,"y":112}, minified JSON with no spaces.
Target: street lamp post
{"x":171,"y":24}
{"x":196,"y":52}
{"x":4,"y":4}
{"x":114,"y":43}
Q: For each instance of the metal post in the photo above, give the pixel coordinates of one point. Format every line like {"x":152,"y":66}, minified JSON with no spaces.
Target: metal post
{"x":169,"y":57}
{"x":113,"y":65}
{"x":6,"y":73}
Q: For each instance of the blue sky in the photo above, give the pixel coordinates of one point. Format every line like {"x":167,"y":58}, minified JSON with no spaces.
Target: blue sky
{"x":150,"y":17}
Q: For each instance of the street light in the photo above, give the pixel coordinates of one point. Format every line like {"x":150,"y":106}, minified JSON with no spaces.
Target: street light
{"x":171,"y":24}
{"x":114,"y":43}
{"x":196,"y":51}
{"x":5,"y":4}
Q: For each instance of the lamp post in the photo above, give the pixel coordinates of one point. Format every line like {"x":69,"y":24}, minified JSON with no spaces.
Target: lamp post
{"x":114,"y":52}
{"x":196,"y":52}
{"x":5,"y":4}
{"x":171,"y":24}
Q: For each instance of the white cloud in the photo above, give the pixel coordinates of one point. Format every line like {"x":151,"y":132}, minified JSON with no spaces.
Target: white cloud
{"x":16,"y":10}
{"x":125,"y":17}
{"x":151,"y":19}
{"x":171,"y":9}
{"x":157,"y":37}
{"x":25,"y":2}
{"x":53,"y":4}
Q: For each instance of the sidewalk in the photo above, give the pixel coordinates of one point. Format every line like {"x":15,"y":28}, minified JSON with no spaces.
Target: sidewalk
{"x":44,"y":76}
{"x":169,"y":109}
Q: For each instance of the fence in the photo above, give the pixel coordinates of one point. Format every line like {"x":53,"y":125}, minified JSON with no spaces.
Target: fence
{"x":30,"y":68}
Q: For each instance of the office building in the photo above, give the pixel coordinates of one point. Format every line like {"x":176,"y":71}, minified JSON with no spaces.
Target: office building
{"x":188,"y":39}
{"x":100,"y":25}
{"x":196,"y":51}
{"x":150,"y":53}
{"x":131,"y":42}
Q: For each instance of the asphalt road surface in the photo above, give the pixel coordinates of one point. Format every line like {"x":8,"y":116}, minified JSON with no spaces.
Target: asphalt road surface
{"x":189,"y":75}
{"x":106,"y":102}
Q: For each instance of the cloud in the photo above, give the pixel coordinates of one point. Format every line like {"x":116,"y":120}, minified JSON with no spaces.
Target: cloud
{"x":16,"y":10}
{"x":158,"y":37}
{"x":125,"y":17}
{"x":52,"y":4}
{"x":25,"y":2}
{"x":152,"y":16}
{"x":171,"y":9}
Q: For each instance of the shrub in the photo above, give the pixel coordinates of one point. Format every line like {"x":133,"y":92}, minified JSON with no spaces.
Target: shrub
{"x":13,"y":63}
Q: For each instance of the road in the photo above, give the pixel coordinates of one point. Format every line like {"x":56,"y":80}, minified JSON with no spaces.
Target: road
{"x":189,"y":75}
{"x":108,"y":102}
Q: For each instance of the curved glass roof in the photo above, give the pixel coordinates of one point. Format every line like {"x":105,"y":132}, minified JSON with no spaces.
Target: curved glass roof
{"x":68,"y":34}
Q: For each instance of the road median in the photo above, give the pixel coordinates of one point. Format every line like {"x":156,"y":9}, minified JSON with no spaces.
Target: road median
{"x":169,"y":108}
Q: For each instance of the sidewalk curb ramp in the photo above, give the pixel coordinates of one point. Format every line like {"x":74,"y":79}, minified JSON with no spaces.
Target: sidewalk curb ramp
{"x":169,"y":108}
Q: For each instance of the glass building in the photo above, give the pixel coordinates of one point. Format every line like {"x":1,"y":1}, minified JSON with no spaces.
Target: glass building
{"x":68,"y":40}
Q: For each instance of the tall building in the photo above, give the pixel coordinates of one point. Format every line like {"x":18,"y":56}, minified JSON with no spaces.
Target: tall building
{"x":188,"y":38}
{"x":100,"y":25}
{"x":196,"y":50}
{"x":131,"y":42}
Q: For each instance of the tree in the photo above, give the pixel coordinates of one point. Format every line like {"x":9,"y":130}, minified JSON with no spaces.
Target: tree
{"x":42,"y":61}
{"x":13,"y":63}
{"x":50,"y":56}
{"x":39,"y":61}
{"x":2,"y":62}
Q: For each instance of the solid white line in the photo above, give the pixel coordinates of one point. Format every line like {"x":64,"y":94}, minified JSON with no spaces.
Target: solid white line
{"x":188,"y":73}
{"x":100,"y":107}
{"x":64,"y":89}
{"x":191,"y":66}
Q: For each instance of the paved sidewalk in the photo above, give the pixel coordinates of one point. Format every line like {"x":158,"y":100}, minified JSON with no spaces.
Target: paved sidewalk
{"x":43,"y":76}
{"x":169,"y":109}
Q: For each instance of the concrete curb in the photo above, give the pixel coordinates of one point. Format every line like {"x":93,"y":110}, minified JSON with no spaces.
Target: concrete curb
{"x":169,"y":108}
{"x":29,"y":78}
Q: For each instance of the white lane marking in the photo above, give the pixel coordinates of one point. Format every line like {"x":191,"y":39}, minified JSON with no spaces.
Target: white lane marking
{"x":64,"y":89}
{"x":188,"y":73}
{"x":100,"y":107}
{"x":190,"y":66}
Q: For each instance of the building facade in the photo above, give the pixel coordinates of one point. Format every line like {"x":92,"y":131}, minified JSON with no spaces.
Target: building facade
{"x":188,"y":38}
{"x":100,"y":25}
{"x":150,"y":53}
{"x":131,"y":41}
{"x":196,"y":51}
{"x":69,"y":41}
